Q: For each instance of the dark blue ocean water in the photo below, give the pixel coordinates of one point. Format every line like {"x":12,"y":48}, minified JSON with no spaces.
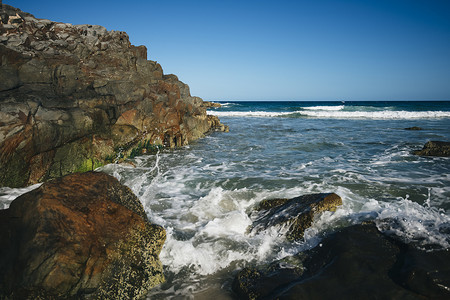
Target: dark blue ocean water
{"x":203,"y":194}
{"x":340,"y":109}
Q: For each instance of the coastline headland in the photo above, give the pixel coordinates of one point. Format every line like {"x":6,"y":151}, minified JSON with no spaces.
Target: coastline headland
{"x":75,"y":97}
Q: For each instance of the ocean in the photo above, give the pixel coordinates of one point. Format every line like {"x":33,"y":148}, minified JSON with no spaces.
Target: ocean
{"x":203,"y":194}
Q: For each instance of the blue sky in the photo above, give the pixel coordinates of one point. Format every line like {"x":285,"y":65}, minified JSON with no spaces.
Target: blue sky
{"x":283,"y":50}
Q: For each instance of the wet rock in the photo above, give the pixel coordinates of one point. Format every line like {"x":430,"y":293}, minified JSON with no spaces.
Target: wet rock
{"x":434,"y":148}
{"x":77,"y":82}
{"x":357,"y":262}
{"x":414,"y":128}
{"x":79,"y":236}
{"x":297,"y":213}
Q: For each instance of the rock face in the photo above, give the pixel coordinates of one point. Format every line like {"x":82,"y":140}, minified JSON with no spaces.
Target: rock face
{"x":73,"y":97}
{"x":356,"y":263}
{"x":80,"y":236}
{"x":435,"y":148}
{"x":296,"y":213}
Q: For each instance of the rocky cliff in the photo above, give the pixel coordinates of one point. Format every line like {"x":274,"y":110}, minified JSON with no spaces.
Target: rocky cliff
{"x":74,"y":97}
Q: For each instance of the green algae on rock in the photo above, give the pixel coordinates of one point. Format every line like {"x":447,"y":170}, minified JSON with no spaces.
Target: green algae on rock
{"x":83,"y":236}
{"x":71,"y":95}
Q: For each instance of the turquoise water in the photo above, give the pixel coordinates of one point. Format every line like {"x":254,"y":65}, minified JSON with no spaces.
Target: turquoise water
{"x":203,"y":194}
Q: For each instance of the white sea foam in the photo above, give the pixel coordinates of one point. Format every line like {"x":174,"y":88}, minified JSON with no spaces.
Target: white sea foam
{"x":261,"y":114}
{"x":385,"y":114}
{"x":7,"y":195}
{"x":329,"y":108}
{"x":227,"y":104}
{"x":339,"y":114}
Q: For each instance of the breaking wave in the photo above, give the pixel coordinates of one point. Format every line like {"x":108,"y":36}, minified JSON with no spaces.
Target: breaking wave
{"x":338,"y":114}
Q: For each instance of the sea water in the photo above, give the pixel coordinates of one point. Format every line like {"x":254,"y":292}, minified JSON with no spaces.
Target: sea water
{"x":204,"y":194}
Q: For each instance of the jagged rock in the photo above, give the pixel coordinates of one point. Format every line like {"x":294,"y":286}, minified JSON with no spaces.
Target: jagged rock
{"x":297,"y":213}
{"x":80,"y":236}
{"x":64,"y":86}
{"x":434,"y":148}
{"x":357,"y":262}
{"x":209,"y":104}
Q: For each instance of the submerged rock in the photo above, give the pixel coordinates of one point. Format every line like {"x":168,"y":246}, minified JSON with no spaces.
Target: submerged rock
{"x":296,"y":213}
{"x":434,"y":148}
{"x":74,"y":97}
{"x":414,"y":128}
{"x":79,"y":236}
{"x":357,"y":262}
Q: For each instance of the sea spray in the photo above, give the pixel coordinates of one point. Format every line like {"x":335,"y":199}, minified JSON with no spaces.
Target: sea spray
{"x":204,"y":195}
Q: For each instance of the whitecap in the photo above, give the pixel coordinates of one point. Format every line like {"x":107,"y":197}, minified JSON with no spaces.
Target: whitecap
{"x":328,"y":108}
{"x":386,"y":114}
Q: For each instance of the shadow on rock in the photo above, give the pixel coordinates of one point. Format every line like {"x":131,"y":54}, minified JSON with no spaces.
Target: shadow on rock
{"x":357,"y":262}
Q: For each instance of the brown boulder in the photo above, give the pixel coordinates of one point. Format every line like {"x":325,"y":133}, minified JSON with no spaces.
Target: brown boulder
{"x":296,"y":213}
{"x":79,"y":236}
{"x":434,"y":148}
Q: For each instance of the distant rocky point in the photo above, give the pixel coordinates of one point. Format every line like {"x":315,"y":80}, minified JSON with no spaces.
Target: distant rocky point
{"x":209,"y":104}
{"x":75,"y":97}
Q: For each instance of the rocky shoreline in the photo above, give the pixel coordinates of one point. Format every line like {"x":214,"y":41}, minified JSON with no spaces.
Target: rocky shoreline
{"x":75,"y":97}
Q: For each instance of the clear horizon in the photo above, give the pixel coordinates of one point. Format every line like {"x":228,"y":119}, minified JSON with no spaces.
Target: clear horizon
{"x":392,"y":50}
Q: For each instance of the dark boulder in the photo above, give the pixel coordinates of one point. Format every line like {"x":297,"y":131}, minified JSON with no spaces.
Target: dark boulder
{"x":414,"y":128}
{"x":79,"y":236}
{"x":296,"y":213}
{"x":357,"y":262}
{"x":434,"y":148}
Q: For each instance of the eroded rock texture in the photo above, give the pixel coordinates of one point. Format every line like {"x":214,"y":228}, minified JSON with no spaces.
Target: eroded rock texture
{"x":73,"y":97}
{"x":80,"y":236}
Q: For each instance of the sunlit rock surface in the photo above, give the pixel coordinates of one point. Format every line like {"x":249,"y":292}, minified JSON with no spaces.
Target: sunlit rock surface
{"x":84,"y":235}
{"x":74,"y":97}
